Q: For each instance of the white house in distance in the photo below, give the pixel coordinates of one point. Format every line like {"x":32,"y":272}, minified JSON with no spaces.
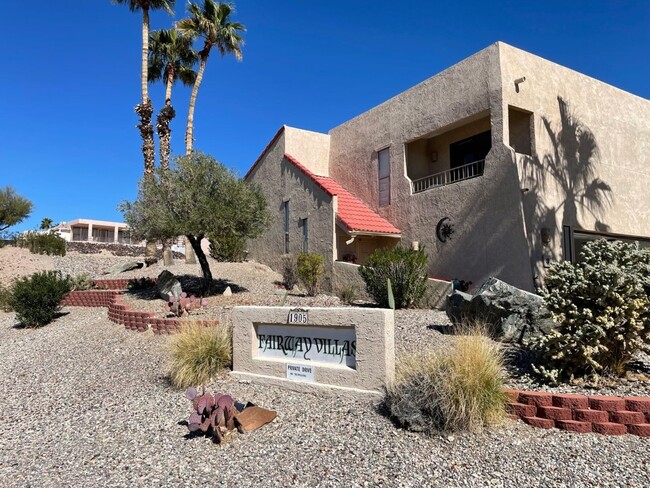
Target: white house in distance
{"x":88,"y":230}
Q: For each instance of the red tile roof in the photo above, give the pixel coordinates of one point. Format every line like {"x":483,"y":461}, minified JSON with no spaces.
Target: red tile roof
{"x":352,"y":212}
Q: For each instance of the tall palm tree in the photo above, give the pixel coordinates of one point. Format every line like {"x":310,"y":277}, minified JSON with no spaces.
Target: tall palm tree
{"x":171,"y":58}
{"x":212,"y":23}
{"x":144,"y":109}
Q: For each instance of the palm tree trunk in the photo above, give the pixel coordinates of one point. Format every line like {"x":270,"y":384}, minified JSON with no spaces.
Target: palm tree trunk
{"x":145,"y":111}
{"x":189,"y":133}
{"x":145,"y":54}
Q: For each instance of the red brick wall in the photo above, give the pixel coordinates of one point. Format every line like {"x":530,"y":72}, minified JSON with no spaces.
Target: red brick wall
{"x":581,"y":413}
{"x":122,"y":313}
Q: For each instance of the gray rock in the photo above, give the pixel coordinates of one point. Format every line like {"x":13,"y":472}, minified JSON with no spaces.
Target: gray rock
{"x":122,"y":267}
{"x":513,"y":314}
{"x":227,"y":292}
{"x":168,"y":285}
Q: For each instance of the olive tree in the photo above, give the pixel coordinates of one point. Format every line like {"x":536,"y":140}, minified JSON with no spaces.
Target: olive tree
{"x":13,"y":208}
{"x":195,"y":197}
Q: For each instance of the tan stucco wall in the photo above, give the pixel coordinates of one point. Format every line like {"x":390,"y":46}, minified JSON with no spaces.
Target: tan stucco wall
{"x":280,"y":180}
{"x":312,"y":149}
{"x":618,"y":124}
{"x":486,"y":211}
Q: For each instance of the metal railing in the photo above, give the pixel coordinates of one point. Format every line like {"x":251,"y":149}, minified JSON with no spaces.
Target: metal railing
{"x":465,"y":172}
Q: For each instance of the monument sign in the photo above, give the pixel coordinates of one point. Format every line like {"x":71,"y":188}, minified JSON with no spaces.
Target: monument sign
{"x":311,"y":349}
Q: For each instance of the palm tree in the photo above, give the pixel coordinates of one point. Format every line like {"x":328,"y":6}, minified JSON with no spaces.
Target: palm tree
{"x":212,"y":23}
{"x":144,"y":109}
{"x":46,"y":224}
{"x":171,"y":58}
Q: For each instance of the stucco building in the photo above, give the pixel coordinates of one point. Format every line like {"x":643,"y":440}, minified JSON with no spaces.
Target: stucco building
{"x":89,"y":230}
{"x":499,"y":165}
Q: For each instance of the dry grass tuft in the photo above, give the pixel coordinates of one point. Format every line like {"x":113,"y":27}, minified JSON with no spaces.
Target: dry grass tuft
{"x":199,"y":353}
{"x":458,"y":390}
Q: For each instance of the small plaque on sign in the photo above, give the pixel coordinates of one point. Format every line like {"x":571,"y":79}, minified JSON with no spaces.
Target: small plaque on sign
{"x":298,"y":316}
{"x":300,"y":372}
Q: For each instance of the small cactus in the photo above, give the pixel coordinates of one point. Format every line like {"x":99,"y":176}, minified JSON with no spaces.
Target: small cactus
{"x":213,"y":415}
{"x":391,"y":297}
{"x":183,"y":305}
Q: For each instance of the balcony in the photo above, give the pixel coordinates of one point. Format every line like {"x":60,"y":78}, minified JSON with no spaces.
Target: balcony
{"x":454,"y":175}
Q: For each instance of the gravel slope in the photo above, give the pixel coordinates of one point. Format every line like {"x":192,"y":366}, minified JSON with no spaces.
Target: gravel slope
{"x":85,"y":403}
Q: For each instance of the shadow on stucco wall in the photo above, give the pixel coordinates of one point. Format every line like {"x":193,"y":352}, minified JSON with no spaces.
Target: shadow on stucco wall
{"x":564,"y":182}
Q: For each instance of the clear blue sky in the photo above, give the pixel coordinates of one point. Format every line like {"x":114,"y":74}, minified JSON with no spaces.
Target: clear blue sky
{"x":71,"y":77}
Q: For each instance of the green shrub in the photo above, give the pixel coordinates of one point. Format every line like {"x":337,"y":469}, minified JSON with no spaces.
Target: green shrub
{"x":601,"y":306}
{"x":5,"y":298}
{"x":135,"y":284}
{"x":460,"y":389}
{"x":81,"y":282}
{"x":289,"y":273}
{"x":199,"y":353}
{"x":36,"y":298}
{"x":348,"y":293}
{"x":228,"y":249}
{"x":48,"y":243}
{"x":310,"y":271}
{"x":407,"y":270}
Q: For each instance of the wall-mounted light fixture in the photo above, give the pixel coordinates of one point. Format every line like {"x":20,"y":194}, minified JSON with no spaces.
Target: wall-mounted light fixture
{"x":545,"y":233}
{"x":434,"y":156}
{"x":350,"y":240}
{"x":518,"y":82}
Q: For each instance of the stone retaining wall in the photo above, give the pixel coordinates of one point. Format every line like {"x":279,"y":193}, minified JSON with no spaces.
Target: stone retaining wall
{"x":122,"y":313}
{"x":581,"y":413}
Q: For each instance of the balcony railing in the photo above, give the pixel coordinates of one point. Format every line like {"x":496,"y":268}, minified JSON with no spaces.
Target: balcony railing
{"x":465,"y":172}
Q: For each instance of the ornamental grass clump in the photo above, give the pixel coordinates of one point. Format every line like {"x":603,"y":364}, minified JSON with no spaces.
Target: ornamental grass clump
{"x":407,"y":270}
{"x":199,"y":353}
{"x":456,"y":390}
{"x":601,"y":306}
{"x":36,"y":298}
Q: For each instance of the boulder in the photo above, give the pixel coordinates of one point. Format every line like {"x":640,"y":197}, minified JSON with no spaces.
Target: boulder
{"x":122,"y":267}
{"x":168,"y":285}
{"x":513,"y":314}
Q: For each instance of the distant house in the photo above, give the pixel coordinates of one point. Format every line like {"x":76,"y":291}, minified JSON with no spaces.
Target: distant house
{"x":87,"y":230}
{"x":499,"y":165}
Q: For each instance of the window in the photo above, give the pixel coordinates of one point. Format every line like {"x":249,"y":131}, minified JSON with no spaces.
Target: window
{"x":103,"y":235}
{"x":578,"y":239}
{"x":384,"y":177}
{"x":305,"y":235}
{"x":80,"y":233}
{"x":286,"y":227}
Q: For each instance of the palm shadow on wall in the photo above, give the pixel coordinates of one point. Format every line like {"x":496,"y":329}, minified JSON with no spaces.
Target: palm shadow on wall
{"x":569,"y":172}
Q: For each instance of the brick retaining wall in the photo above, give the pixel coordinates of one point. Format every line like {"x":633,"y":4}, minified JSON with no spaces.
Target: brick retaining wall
{"x":121,"y":313}
{"x":581,"y":413}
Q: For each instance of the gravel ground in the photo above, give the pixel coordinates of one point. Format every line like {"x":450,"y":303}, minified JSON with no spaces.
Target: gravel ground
{"x":86,"y":403}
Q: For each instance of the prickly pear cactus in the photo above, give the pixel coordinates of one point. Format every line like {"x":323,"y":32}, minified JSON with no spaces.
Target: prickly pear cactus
{"x":213,"y":415}
{"x":183,"y":305}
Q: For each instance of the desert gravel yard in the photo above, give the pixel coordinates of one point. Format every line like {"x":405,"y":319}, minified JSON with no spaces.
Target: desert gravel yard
{"x":85,"y":403}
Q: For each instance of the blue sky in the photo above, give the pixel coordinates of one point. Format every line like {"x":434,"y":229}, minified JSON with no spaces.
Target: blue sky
{"x":71,"y":77}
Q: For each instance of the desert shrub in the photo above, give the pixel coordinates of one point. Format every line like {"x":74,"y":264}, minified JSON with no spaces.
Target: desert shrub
{"x":135,"y":284}
{"x":81,"y":282}
{"x":48,"y":243}
{"x":407,"y":270}
{"x":310,"y":271}
{"x":456,"y":390}
{"x":289,"y":273}
{"x":36,"y":298}
{"x":601,"y":306}
{"x":228,"y":249}
{"x":199,"y":353}
{"x":348,"y":293}
{"x":5,"y":298}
